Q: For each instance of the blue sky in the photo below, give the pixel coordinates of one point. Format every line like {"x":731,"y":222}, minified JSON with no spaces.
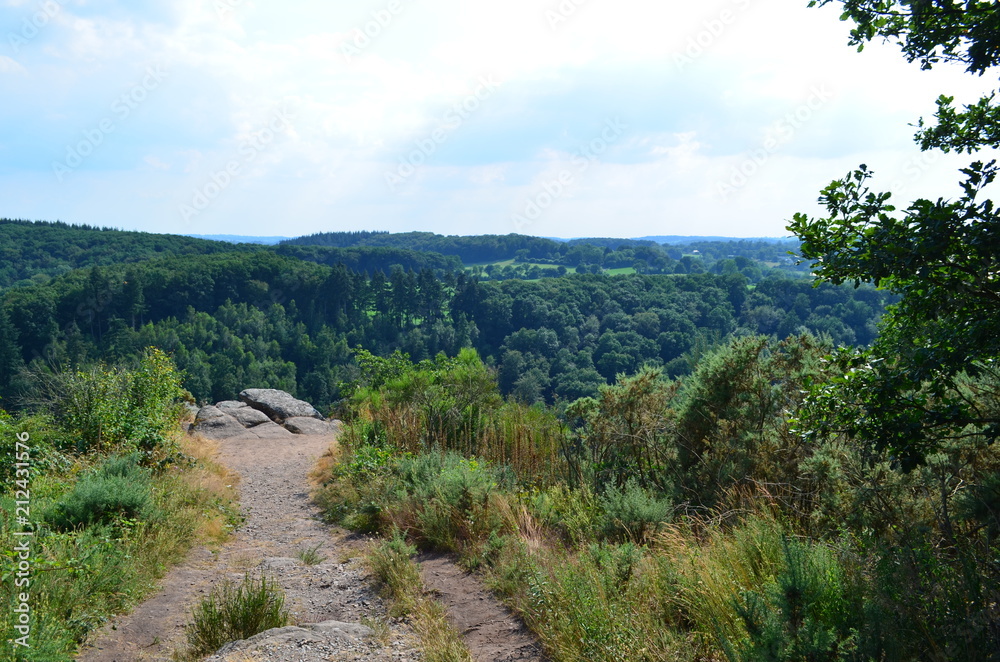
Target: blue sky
{"x":548,"y":117}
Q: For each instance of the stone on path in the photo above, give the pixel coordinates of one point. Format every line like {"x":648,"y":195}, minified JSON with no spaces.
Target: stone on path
{"x":295,"y":638}
{"x":278,"y":405}
{"x":248,"y":416}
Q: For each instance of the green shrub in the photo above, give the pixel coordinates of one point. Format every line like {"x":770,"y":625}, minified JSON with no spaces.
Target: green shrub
{"x":450,"y":497}
{"x":632,"y":513}
{"x":804,"y":615}
{"x":110,"y":408}
{"x":118,"y":489}
{"x":574,"y":514}
{"x":124,"y":466}
{"x":236,"y":611}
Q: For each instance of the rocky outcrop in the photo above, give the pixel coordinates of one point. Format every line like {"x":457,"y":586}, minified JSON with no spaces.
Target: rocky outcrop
{"x":264,"y":413}
{"x":248,"y":416}
{"x":278,"y":405}
{"x":213,"y":423}
{"x":329,"y":640}
{"x":303,"y":425}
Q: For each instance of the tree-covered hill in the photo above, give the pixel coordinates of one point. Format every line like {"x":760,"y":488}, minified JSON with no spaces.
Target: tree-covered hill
{"x":590,"y":254}
{"x":33,"y":251}
{"x":262,"y":319}
{"x":369,"y":259}
{"x":471,"y":249}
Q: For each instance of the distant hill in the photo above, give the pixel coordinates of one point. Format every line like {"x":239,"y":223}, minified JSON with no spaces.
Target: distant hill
{"x":678,"y":239}
{"x":34,"y":251}
{"x":469,"y":249}
{"x":240,"y":238}
{"x":369,"y":259}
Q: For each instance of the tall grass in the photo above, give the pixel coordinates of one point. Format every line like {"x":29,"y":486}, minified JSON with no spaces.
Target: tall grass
{"x":453,"y":405}
{"x":391,"y":565}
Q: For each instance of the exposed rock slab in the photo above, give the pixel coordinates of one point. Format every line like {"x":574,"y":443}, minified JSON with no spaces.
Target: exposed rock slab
{"x":304,"y":425}
{"x":269,"y":430}
{"x":278,"y":405}
{"x":230,"y":404}
{"x":213,"y":423}
{"x":330,"y":635}
{"x":248,"y":416}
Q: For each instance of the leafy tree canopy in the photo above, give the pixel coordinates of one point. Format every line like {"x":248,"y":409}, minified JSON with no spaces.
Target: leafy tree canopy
{"x":912,"y":391}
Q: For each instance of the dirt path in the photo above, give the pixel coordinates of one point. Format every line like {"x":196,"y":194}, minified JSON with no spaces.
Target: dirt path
{"x":280,"y":522}
{"x":490,"y":631}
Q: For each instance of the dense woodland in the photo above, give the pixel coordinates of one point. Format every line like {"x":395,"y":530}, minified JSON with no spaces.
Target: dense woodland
{"x":239,"y":317}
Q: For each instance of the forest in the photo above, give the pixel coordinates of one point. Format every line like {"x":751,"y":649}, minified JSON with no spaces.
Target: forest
{"x":245,"y":316}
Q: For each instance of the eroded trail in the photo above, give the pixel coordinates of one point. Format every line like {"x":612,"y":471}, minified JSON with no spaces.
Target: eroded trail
{"x":281,"y":521}
{"x":490,"y":631}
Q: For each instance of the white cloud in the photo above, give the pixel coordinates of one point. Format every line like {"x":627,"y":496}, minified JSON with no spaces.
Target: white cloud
{"x":709,"y":84}
{"x":10,"y":66}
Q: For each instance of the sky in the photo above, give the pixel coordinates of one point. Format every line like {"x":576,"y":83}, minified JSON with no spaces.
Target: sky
{"x":559,"y":118}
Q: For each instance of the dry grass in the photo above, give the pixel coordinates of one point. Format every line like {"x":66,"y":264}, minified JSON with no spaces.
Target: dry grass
{"x":519,"y":519}
{"x":715,"y":565}
{"x":325,"y":464}
{"x":215,"y":483}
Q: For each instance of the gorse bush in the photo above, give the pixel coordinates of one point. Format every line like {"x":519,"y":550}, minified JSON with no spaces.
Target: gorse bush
{"x":700,"y":438}
{"x":632,"y":513}
{"x":234,"y":611}
{"x":117,"y":490}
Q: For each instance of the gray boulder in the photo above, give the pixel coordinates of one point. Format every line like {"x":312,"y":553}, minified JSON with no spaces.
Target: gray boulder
{"x":248,"y":416}
{"x":278,"y":405}
{"x":213,"y":423}
{"x":304,"y":425}
{"x":230,"y":404}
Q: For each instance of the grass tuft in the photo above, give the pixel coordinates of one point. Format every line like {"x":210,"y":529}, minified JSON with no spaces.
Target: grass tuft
{"x":310,"y":555}
{"x":234,"y":611}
